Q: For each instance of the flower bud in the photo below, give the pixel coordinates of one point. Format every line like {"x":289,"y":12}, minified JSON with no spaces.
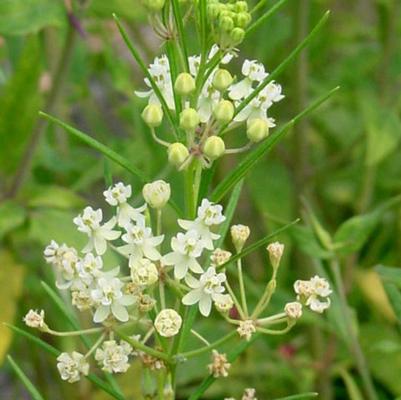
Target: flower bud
{"x":226,"y":23}
{"x":275,"y":251}
{"x":184,"y":84}
{"x":222,"y":80}
{"x":144,"y":273}
{"x":177,"y":153}
{"x":257,"y":130}
{"x":239,"y":235}
{"x":242,"y":19}
{"x":219,"y":257}
{"x":157,"y":193}
{"x":224,"y":112}
{"x":153,"y":115}
{"x":213,"y":11}
{"x":214,"y":147}
{"x":35,"y":319}
{"x":224,"y":303}
{"x":241,"y":6}
{"x":168,"y":322}
{"x":293,"y":310}
{"x":237,"y":35}
{"x":189,"y":119}
{"x":154,"y":5}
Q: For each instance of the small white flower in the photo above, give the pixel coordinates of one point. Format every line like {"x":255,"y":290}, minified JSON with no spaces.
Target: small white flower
{"x":293,"y":310}
{"x":89,"y":268}
{"x":204,"y":290}
{"x":71,"y":366}
{"x":186,"y":249}
{"x":157,"y":193}
{"x":249,"y":394}
{"x":168,"y":322}
{"x":317,"y":305}
{"x":118,"y":195}
{"x":239,"y":235}
{"x":246,"y":329}
{"x":219,"y":257}
{"x":144,"y":272}
{"x":113,"y":357}
{"x":209,"y":215}
{"x":223,"y":302}
{"x":90,"y":223}
{"x":110,"y":299}
{"x":35,"y":319}
{"x":320,"y":286}
{"x":141,"y":243}
{"x":219,"y":366}
{"x":82,"y":299}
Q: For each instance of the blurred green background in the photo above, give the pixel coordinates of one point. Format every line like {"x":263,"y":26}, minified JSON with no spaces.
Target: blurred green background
{"x":341,"y":166}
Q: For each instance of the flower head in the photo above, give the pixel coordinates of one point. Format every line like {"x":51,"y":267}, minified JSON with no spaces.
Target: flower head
{"x":35,"y":319}
{"x":239,"y":235}
{"x":144,"y":272}
{"x":293,"y":310}
{"x":275,"y":251}
{"x":157,"y":193}
{"x":219,"y":366}
{"x":113,"y":357}
{"x":71,"y":366}
{"x":168,"y":322}
{"x":219,"y":257}
{"x":246,"y":329}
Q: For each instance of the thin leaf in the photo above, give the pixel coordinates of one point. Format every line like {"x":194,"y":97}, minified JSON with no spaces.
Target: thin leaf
{"x":390,"y":274}
{"x":352,"y":388}
{"x":308,"y":395}
{"x":253,"y":157}
{"x":145,"y":71}
{"x":266,"y":16}
{"x":109,"y":153}
{"x":180,"y":29}
{"x":25,"y":380}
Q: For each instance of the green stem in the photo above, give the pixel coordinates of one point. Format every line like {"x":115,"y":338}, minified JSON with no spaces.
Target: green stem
{"x":74,"y":333}
{"x":96,"y":345}
{"x":354,"y":345}
{"x":235,"y":300}
{"x":242,"y":288}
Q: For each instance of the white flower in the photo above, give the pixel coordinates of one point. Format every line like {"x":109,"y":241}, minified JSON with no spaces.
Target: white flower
{"x":293,"y":310}
{"x":118,"y":195}
{"x":168,"y":322}
{"x":186,"y":248}
{"x":317,"y":305}
{"x":246,"y":329}
{"x":320,"y":286}
{"x":219,"y":366}
{"x":157,"y":193}
{"x":109,"y":298}
{"x":239,"y":235}
{"x":249,"y":394}
{"x":204,"y":290}
{"x":209,"y":215}
{"x":82,"y":299}
{"x":144,"y":272}
{"x":253,"y":72}
{"x":113,"y":357}
{"x":89,"y":268}
{"x":72,"y":366}
{"x":160,"y":72}
{"x":223,"y":302}
{"x":90,"y":223}
{"x":275,"y":251}
{"x":219,"y":257}
{"x":141,"y":243}
{"x":35,"y":319}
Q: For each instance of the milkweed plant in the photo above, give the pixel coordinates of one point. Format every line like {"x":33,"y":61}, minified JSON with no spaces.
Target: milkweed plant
{"x":146,"y":308}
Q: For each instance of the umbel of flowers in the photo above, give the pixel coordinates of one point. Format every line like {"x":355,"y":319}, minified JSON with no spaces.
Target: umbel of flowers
{"x":132,"y":296}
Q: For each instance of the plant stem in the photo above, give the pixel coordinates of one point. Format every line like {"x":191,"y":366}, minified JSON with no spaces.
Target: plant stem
{"x":74,"y":333}
{"x":41,"y":124}
{"x":242,"y":287}
{"x":235,"y":300}
{"x":353,"y":340}
{"x":96,"y":345}
{"x":200,"y":337}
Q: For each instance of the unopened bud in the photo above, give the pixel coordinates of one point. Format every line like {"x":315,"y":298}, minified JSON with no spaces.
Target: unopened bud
{"x":154,"y":5}
{"x":239,"y":235}
{"x":189,"y":119}
{"x":224,"y":112}
{"x":177,"y":153}
{"x":242,"y":19}
{"x":222,"y":80}
{"x":275,"y":251}
{"x":214,"y":147}
{"x":237,"y":35}
{"x":184,"y":84}
{"x":241,"y":6}
{"x":293,"y":310}
{"x":157,"y":193}
{"x":220,"y":257}
{"x":153,"y":115}
{"x":257,"y":130}
{"x":226,"y":23}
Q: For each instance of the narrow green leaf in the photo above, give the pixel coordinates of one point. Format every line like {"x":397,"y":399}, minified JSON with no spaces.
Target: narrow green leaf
{"x":180,"y":29}
{"x":229,"y":213}
{"x":266,"y":16}
{"x":109,"y":153}
{"x":308,"y":395}
{"x":352,"y":388}
{"x":30,"y":387}
{"x":145,"y":71}
{"x":390,"y":274}
{"x":285,"y":63}
{"x":253,"y":157}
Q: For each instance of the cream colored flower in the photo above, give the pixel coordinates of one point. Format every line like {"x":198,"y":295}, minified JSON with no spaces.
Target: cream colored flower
{"x":219,"y":366}
{"x":168,"y":322}
{"x":239,"y":235}
{"x":223,"y":302}
{"x":246,"y":329}
{"x":71,"y":366}
{"x":249,"y":394}
{"x":35,"y":319}
{"x":113,"y":357}
{"x":144,"y":272}
{"x":157,"y":193}
{"x":275,"y":251}
{"x":293,"y":310}
{"x":219,"y":257}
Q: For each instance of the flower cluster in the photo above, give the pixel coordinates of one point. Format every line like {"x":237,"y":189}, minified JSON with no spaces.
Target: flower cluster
{"x":314,"y":293}
{"x":214,"y":101}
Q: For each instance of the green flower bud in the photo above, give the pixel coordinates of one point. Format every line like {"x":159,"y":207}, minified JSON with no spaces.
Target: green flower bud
{"x":222,"y":80}
{"x":153,"y":115}
{"x":237,"y":35}
{"x":213,"y":11}
{"x":184,"y":84}
{"x":243,"y":19}
{"x":177,"y":153}
{"x":214,"y":147}
{"x":226,"y":23}
{"x":189,"y":119}
{"x":154,"y":5}
{"x":241,"y":6}
{"x":257,"y":130}
{"x":224,"y":111}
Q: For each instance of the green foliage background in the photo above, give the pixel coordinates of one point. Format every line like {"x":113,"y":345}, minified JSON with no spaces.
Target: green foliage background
{"x":340,"y":170}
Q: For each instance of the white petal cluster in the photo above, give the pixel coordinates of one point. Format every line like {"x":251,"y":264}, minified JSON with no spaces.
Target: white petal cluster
{"x":35,"y":319}
{"x":157,"y":193}
{"x":314,"y":293}
{"x":113,"y":357}
{"x":71,"y":366}
{"x":144,"y":272}
{"x":168,"y":322}
{"x":223,"y":303}
{"x":205,"y":290}
{"x":293,"y":310}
